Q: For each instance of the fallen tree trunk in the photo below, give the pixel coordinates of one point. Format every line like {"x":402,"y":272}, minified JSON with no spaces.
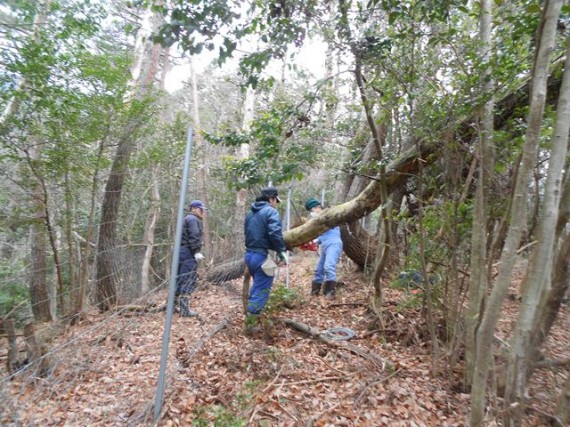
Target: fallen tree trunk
{"x":406,"y":166}
{"x":362,"y":246}
{"x":226,"y":272}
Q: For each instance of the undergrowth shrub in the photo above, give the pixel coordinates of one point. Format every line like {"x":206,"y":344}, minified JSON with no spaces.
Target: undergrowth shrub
{"x":283,"y":298}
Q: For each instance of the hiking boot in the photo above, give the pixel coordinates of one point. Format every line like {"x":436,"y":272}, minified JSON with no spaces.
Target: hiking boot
{"x":315,"y":288}
{"x":185,"y":310}
{"x":330,"y":289}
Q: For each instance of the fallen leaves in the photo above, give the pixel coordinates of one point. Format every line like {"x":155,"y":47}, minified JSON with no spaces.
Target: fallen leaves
{"x":108,"y":377}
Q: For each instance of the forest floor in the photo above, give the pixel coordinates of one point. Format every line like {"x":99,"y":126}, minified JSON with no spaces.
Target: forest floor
{"x":104,"y":370}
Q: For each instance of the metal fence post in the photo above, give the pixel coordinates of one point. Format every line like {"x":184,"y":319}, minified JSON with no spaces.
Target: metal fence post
{"x":173,"y":273}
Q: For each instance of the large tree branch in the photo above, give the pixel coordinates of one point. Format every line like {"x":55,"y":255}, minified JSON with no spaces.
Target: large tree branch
{"x":406,"y":165}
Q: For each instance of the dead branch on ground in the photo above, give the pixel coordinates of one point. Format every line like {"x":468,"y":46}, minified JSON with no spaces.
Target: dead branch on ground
{"x":373,"y":357}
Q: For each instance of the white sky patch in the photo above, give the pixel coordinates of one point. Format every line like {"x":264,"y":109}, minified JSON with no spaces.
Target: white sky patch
{"x":311,"y":56}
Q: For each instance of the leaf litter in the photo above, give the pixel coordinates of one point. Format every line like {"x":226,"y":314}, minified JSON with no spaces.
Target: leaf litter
{"x":104,"y":370}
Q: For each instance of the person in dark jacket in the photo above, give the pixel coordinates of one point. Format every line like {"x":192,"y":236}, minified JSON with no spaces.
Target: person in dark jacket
{"x":190,"y":255}
{"x":263,"y":233}
{"x":330,"y":245}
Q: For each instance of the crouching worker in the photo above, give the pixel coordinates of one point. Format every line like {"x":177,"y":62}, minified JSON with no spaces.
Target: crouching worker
{"x":330,"y":245}
{"x":190,"y":255}
{"x":263,"y":233}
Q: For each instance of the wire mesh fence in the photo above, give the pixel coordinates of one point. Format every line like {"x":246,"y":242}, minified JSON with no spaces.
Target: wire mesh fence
{"x":63,"y":366}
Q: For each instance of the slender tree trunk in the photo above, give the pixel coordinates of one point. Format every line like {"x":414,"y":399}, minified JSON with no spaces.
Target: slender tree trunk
{"x":385,"y":249}
{"x":73,"y":277}
{"x":200,"y":157}
{"x":37,"y":274}
{"x":243,"y":153}
{"x":485,"y":332}
{"x":561,"y":272}
{"x":330,"y":96}
{"x":83,"y":276}
{"x":37,"y":268}
{"x":536,"y":284}
{"x":154,"y":211}
{"x":40,"y":202}
{"x":148,"y":239}
{"x":479,"y":278}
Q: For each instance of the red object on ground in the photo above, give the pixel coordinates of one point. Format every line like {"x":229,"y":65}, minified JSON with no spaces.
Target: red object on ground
{"x":309,"y":246}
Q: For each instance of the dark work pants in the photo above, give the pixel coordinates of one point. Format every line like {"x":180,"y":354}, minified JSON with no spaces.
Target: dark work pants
{"x":187,"y":278}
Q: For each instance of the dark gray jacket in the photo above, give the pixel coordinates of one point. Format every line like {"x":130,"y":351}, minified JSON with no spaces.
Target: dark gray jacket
{"x":192,"y":233}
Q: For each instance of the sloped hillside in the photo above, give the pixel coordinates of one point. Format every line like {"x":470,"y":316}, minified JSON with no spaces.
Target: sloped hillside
{"x":104,"y":370}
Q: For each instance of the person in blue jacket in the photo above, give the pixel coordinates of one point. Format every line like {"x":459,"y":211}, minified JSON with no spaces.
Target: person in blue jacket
{"x":190,"y":254}
{"x":330,"y":245}
{"x":263,"y":233}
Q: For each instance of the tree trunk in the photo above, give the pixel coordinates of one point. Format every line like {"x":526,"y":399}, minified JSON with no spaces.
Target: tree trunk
{"x":200,"y":159}
{"x":144,"y":72}
{"x":243,"y":153}
{"x":71,"y":259}
{"x":107,"y":257}
{"x":537,"y":283}
{"x":87,"y":247}
{"x":560,"y":274}
{"x":484,"y":350}
{"x":479,"y":279}
{"x":39,"y":295}
{"x":226,"y":272}
{"x":150,"y":226}
{"x":37,"y":268}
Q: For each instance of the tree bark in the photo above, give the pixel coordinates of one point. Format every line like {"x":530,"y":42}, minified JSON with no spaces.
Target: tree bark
{"x":537,"y":283}
{"x":243,"y":153}
{"x":150,"y":226}
{"x":200,"y":158}
{"x":144,"y":72}
{"x":485,"y":332}
{"x":107,"y":259}
{"x":226,"y":272}
{"x":12,"y":362}
{"x":479,"y":279}
{"x":39,"y":295}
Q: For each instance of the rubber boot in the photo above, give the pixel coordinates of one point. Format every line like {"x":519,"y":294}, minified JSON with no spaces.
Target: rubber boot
{"x":185,"y":309}
{"x":315,"y":288}
{"x":252,"y":324}
{"x":330,"y":289}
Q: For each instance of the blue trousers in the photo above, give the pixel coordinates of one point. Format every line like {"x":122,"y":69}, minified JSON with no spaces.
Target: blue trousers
{"x":326,"y":266}
{"x":262,"y":283}
{"x":187,"y":278}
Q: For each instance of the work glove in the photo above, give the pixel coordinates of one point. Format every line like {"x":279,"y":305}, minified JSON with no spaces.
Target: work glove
{"x":198,"y":256}
{"x":282,"y":256}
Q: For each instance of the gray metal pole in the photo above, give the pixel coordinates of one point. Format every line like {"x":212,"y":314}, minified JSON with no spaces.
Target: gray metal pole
{"x":288,"y":218}
{"x":173,"y":273}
